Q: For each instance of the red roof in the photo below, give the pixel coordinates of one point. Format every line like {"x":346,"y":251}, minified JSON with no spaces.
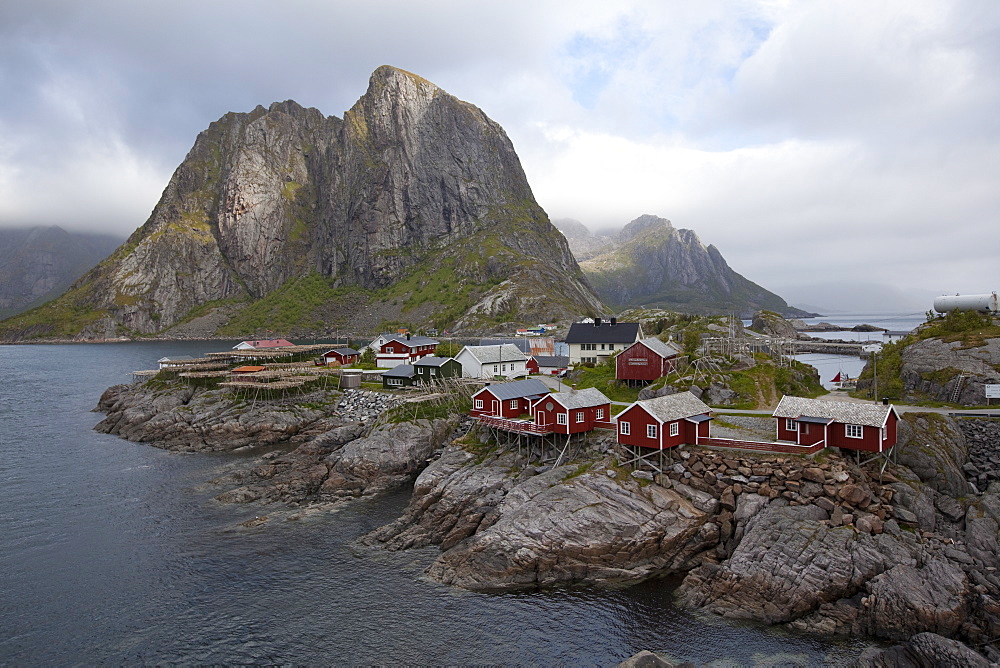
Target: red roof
{"x":269,"y":343}
{"x":248,"y":369}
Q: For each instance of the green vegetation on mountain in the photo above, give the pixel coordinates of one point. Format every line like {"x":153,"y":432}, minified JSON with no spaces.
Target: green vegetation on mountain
{"x":652,"y":264}
{"x":416,"y":209}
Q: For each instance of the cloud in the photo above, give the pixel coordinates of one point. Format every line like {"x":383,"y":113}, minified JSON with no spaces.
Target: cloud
{"x":831,"y":138}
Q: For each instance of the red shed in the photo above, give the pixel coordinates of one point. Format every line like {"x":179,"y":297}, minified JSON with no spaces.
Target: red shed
{"x":573,"y":412}
{"x":508,"y":400}
{"x":839,"y":424}
{"x":646,"y":360}
{"x":341,"y":356}
{"x":665,"y":422}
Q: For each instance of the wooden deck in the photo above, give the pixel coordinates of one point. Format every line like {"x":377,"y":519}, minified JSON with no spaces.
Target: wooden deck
{"x":762,"y":446}
{"x":519,"y":426}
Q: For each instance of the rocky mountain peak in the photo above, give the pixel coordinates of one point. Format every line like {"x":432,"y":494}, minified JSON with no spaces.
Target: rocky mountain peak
{"x":412,"y":183}
{"x":643,"y":224}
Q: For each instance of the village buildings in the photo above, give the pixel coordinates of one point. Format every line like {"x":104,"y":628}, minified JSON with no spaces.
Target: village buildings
{"x":646,"y":360}
{"x":431,"y":369}
{"x":597,"y":341}
{"x":342,"y":356}
{"x":258,"y":344}
{"x":665,"y":422}
{"x":404,"y":349}
{"x":841,"y":424}
{"x":504,"y":360}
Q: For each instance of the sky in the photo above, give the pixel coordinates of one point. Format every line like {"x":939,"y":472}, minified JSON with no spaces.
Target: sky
{"x":844,"y":154}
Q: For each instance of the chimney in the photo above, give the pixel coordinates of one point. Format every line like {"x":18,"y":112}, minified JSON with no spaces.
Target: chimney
{"x":597,"y":322}
{"x":614,"y":321}
{"x":407,"y":336}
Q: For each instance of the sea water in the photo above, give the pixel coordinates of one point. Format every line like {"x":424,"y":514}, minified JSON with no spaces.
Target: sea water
{"x":115,"y":552}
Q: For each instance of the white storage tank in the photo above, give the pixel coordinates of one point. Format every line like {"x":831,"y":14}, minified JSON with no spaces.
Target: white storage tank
{"x":981,"y":303}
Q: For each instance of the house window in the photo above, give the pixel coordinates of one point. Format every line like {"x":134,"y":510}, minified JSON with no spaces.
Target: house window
{"x":790,"y":424}
{"x":496,"y":369}
{"x":513,"y":403}
{"x":651,"y":430}
{"x":805,"y":429}
{"x":623,"y":427}
{"x":560,"y":418}
{"x":602,"y":346}
{"x":854,"y":431}
{"x":882,"y":433}
{"x":579,"y":416}
{"x":674,"y":428}
{"x":599,"y":415}
{"x":479,"y":404}
{"x":503,"y":368}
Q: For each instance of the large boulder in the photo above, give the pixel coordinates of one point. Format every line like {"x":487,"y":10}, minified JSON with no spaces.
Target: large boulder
{"x":787,"y":564}
{"x":561,"y":525}
{"x":932,"y":446}
{"x":921,"y":651}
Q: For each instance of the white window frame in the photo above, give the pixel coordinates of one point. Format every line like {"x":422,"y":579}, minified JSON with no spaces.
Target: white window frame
{"x":624,"y":428}
{"x":513,"y":403}
{"x":790,"y":424}
{"x":599,"y":414}
{"x":561,"y":418}
{"x":675,"y":428}
{"x":581,"y":416}
{"x":650,"y":431}
{"x":479,"y":404}
{"x":854,"y":431}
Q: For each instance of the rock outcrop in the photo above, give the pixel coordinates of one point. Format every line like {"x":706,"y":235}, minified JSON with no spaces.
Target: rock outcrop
{"x":411,"y":184}
{"x":651,"y":263}
{"x":556,"y":526}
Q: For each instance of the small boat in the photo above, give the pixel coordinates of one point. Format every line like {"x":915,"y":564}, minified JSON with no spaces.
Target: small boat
{"x":842,"y":381}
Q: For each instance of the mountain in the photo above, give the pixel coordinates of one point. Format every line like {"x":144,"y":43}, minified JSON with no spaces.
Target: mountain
{"x":412,"y":209}
{"x":39,"y":263}
{"x":652,"y":263}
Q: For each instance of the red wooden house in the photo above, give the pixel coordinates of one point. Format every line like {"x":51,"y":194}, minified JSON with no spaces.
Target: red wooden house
{"x":664,"y":422}
{"x":547,"y":365}
{"x":840,"y":424}
{"x":342,"y":356}
{"x":573,"y":412}
{"x":508,"y":400}
{"x":646,"y":360}
{"x":404,"y":349}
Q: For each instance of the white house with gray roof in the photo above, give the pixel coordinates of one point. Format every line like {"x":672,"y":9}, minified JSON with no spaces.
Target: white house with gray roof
{"x":504,"y":360}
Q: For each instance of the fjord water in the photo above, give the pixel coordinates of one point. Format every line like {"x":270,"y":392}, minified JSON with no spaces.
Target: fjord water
{"x":114,"y":552}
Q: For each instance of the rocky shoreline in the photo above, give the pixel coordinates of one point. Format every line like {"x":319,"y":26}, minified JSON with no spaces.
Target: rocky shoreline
{"x":820,"y":545}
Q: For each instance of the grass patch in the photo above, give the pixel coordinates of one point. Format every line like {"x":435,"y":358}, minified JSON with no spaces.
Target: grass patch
{"x":292,"y":306}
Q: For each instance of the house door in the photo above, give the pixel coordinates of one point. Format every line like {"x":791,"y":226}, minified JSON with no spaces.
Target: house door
{"x":540,"y":418}
{"x":496,"y":407}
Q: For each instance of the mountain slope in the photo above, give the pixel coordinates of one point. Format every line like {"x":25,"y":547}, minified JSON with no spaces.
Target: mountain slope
{"x":412,"y":187}
{"x":39,"y":263}
{"x":652,"y":263}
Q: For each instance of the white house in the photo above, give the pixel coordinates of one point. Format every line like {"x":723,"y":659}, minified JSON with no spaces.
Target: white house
{"x":491,"y":361}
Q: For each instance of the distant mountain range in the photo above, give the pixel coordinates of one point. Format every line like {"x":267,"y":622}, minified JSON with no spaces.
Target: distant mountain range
{"x":411,"y":210}
{"x":653,"y":264}
{"x":38,"y":263}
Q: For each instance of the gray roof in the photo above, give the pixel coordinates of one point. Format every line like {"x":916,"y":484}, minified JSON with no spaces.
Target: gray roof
{"x":342,"y":351}
{"x":585,"y":398}
{"x":522,"y":343}
{"x":494,"y":354}
{"x":661,"y":348}
{"x":620,"y":332}
{"x":414,"y":340}
{"x":845,"y":412}
{"x":557,"y":361}
{"x":517,"y":389}
{"x":674,"y":406}
{"x":401,"y":371}
{"x":431,"y":360}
